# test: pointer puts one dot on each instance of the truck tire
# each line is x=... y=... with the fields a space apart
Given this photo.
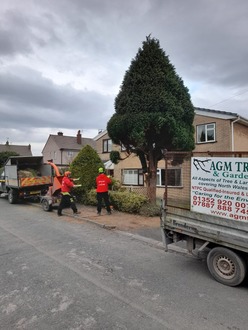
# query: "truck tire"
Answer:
x=46 y=206
x=226 y=266
x=12 y=196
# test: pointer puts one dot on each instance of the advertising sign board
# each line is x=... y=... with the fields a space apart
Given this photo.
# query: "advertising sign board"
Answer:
x=219 y=186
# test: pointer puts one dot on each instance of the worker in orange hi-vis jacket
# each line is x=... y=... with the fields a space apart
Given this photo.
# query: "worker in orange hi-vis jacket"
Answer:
x=102 y=183
x=67 y=199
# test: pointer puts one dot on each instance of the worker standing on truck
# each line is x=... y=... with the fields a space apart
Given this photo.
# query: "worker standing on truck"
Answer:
x=67 y=199
x=102 y=183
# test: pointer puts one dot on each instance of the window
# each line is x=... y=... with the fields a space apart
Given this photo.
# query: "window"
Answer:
x=107 y=145
x=174 y=177
x=70 y=153
x=133 y=177
x=205 y=133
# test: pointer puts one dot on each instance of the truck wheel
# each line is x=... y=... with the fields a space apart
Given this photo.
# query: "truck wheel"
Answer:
x=12 y=196
x=226 y=266
x=46 y=206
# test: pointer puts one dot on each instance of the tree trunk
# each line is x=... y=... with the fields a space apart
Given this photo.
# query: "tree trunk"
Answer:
x=152 y=179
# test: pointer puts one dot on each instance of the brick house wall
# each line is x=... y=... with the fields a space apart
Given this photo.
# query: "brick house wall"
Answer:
x=240 y=137
x=229 y=135
x=223 y=134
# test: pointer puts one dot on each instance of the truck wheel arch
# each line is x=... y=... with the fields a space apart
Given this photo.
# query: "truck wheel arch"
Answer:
x=12 y=196
x=226 y=266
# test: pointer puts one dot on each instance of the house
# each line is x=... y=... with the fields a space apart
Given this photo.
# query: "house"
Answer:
x=21 y=150
x=214 y=131
x=220 y=131
x=61 y=149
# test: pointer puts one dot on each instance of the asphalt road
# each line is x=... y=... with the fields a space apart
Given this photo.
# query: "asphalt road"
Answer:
x=65 y=273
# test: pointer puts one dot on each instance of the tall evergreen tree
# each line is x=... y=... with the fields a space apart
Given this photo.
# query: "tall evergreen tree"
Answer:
x=153 y=110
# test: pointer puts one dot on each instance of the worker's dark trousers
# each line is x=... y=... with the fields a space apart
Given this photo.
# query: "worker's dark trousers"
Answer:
x=103 y=196
x=67 y=201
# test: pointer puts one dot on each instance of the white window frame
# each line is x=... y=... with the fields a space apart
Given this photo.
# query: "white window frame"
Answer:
x=205 y=128
x=132 y=177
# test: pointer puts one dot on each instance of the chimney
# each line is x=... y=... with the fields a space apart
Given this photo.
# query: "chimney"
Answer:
x=79 y=137
x=60 y=133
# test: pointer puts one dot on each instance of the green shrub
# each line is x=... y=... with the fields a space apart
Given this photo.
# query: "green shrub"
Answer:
x=129 y=202
x=85 y=167
x=150 y=210
x=125 y=201
x=90 y=198
x=115 y=185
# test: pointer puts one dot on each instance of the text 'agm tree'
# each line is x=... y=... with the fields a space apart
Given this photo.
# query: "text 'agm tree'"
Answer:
x=153 y=111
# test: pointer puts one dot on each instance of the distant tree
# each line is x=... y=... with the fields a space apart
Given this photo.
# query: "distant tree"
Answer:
x=85 y=166
x=153 y=111
x=5 y=155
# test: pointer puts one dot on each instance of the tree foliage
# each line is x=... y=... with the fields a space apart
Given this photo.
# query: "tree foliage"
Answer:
x=5 y=155
x=114 y=156
x=85 y=166
x=153 y=109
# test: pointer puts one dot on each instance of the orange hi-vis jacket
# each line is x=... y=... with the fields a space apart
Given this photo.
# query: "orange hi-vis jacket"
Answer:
x=102 y=182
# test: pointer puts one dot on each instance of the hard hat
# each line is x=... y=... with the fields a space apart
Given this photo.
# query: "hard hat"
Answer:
x=100 y=170
x=67 y=173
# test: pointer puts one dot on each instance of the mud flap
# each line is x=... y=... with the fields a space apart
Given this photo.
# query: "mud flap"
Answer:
x=166 y=239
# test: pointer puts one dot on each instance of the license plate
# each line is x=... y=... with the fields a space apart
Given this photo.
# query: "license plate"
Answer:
x=34 y=192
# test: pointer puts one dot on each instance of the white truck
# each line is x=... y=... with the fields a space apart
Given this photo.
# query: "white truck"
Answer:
x=25 y=177
x=216 y=219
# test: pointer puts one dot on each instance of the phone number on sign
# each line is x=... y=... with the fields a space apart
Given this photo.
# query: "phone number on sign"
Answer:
x=223 y=205
x=203 y=201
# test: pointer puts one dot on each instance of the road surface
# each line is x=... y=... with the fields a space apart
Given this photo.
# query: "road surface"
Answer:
x=64 y=273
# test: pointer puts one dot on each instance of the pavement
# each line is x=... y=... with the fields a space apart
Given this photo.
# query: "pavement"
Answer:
x=142 y=228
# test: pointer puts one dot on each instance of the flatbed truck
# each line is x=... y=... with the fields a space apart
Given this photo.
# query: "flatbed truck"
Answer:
x=216 y=222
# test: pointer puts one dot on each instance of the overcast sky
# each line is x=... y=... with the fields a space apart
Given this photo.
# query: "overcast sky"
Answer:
x=62 y=61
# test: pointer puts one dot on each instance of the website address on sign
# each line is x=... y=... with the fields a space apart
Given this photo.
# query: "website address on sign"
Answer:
x=229 y=215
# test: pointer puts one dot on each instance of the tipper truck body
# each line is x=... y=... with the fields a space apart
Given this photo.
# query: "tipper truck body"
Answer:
x=25 y=177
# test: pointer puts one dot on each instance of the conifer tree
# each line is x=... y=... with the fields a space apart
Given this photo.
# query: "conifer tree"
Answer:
x=153 y=110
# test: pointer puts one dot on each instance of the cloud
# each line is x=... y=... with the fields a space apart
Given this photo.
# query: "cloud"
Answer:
x=29 y=98
x=62 y=62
